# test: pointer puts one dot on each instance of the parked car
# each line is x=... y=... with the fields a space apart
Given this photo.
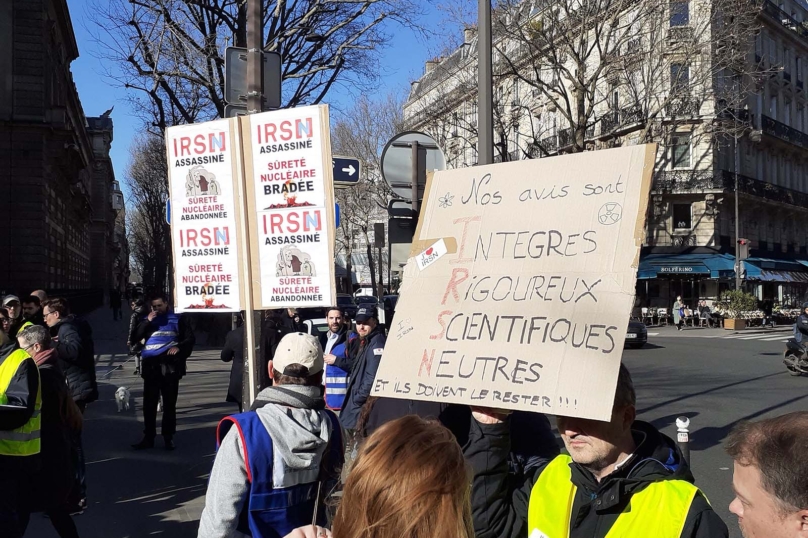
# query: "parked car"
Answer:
x=366 y=300
x=317 y=326
x=637 y=335
x=347 y=304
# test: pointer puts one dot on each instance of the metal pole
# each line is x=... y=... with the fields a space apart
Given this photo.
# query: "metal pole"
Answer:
x=381 y=283
x=737 y=218
x=414 y=146
x=485 y=90
x=255 y=37
x=683 y=436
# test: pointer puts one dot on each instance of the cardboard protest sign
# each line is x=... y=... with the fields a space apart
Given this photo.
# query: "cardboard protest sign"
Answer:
x=521 y=284
x=203 y=175
x=291 y=207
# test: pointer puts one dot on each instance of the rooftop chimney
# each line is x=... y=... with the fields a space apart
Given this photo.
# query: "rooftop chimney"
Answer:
x=468 y=33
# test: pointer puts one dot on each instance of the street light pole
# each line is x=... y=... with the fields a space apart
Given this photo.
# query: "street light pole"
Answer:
x=255 y=31
x=738 y=261
x=485 y=90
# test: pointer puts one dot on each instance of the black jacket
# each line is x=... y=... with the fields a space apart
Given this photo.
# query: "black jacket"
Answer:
x=73 y=342
x=38 y=319
x=21 y=395
x=234 y=351
x=135 y=346
x=364 y=365
x=499 y=507
x=166 y=365
x=272 y=330
x=801 y=326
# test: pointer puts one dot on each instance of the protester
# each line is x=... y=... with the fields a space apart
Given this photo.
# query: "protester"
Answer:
x=292 y=321
x=169 y=341
x=14 y=307
x=75 y=348
x=41 y=295
x=32 y=311
x=409 y=481
x=115 y=304
x=73 y=342
x=364 y=363
x=273 y=330
x=234 y=351
x=272 y=470
x=138 y=305
x=334 y=347
x=5 y=321
x=621 y=478
x=20 y=443
x=61 y=422
x=771 y=476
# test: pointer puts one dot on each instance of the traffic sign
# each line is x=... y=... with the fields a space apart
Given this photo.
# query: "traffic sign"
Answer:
x=336 y=214
x=231 y=111
x=398 y=163
x=346 y=170
x=235 y=78
x=399 y=208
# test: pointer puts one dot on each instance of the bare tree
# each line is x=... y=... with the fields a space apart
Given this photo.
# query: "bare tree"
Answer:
x=148 y=232
x=571 y=75
x=172 y=51
x=362 y=133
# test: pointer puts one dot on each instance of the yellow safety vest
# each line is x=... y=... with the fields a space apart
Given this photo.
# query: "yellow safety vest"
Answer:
x=660 y=510
x=25 y=440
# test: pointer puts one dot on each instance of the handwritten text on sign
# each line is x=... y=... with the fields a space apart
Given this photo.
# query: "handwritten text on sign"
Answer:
x=529 y=308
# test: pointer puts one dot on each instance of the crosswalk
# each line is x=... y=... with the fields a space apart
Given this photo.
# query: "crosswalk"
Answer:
x=763 y=337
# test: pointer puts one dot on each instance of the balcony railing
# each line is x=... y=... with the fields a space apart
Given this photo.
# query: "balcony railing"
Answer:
x=565 y=137
x=782 y=131
x=681 y=181
x=682 y=107
x=621 y=118
x=785 y=19
x=549 y=143
x=680 y=33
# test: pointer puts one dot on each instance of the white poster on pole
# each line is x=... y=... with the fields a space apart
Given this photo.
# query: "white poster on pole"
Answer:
x=202 y=178
x=290 y=194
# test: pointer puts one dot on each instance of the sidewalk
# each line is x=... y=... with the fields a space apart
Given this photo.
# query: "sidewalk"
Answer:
x=670 y=330
x=152 y=492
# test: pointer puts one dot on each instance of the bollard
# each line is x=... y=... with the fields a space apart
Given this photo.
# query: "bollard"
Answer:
x=683 y=436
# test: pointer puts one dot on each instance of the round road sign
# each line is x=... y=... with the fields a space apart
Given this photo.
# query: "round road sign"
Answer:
x=397 y=162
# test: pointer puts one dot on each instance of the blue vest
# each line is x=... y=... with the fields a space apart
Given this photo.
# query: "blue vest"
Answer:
x=336 y=380
x=164 y=338
x=270 y=512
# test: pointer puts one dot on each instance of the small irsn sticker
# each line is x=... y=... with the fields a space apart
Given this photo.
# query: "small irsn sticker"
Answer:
x=431 y=255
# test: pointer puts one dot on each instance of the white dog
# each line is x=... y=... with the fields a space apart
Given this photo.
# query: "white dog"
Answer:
x=122 y=398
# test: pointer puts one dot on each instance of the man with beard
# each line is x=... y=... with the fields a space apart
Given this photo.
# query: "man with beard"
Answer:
x=337 y=368
x=367 y=354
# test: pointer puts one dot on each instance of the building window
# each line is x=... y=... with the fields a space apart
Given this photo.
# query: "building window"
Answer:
x=682 y=217
x=680 y=13
x=680 y=157
x=680 y=77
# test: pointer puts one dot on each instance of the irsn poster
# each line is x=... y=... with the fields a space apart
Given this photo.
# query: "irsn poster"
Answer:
x=290 y=192
x=202 y=181
x=521 y=284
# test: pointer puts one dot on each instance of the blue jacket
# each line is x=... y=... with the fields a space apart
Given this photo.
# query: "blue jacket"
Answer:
x=165 y=336
x=363 y=371
x=269 y=512
x=336 y=378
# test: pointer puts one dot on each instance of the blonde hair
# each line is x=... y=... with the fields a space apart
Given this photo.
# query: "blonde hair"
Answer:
x=409 y=481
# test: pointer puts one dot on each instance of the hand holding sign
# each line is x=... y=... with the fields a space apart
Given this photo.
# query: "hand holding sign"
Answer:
x=523 y=286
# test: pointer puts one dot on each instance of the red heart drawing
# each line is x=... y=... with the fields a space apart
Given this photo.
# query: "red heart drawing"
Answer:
x=429 y=251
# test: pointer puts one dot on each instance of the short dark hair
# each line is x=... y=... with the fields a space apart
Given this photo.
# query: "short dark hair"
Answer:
x=158 y=295
x=31 y=299
x=297 y=374
x=624 y=394
x=776 y=446
x=58 y=304
x=330 y=308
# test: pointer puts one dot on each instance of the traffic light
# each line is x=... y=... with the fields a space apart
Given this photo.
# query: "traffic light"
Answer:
x=743 y=249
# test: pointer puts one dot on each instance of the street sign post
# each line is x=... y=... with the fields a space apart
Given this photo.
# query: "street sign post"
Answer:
x=346 y=170
x=405 y=160
x=235 y=78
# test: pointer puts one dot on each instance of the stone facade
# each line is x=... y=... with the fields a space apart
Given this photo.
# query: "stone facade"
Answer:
x=56 y=178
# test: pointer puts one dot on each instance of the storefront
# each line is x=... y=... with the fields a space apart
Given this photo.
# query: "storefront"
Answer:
x=663 y=277
x=784 y=282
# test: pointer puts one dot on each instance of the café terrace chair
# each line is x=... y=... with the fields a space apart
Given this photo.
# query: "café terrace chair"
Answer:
x=647 y=316
x=662 y=314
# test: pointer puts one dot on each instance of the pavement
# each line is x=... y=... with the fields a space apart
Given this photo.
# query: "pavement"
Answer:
x=152 y=492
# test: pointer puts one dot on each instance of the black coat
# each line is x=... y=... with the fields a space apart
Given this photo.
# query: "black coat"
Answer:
x=363 y=371
x=272 y=331
x=165 y=365
x=499 y=507
x=73 y=342
x=234 y=351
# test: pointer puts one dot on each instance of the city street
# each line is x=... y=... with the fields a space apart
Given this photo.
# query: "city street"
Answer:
x=715 y=377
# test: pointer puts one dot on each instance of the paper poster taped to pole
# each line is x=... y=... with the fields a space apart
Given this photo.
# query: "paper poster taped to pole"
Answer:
x=290 y=195
x=202 y=174
x=529 y=305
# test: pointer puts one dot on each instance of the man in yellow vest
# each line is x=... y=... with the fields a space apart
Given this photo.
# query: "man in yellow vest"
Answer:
x=20 y=405
x=621 y=479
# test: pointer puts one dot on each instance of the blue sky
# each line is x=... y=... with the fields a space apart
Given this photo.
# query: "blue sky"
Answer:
x=404 y=59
